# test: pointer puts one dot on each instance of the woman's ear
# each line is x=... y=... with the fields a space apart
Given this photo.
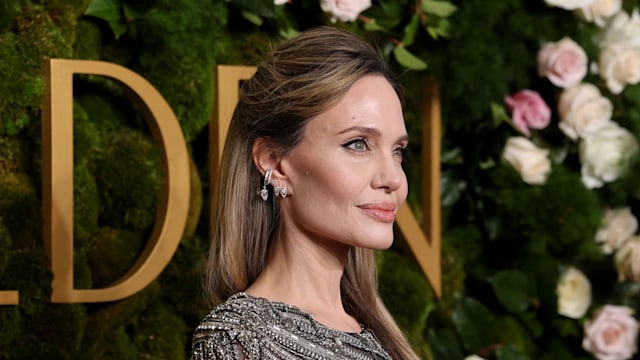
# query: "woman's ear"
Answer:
x=265 y=156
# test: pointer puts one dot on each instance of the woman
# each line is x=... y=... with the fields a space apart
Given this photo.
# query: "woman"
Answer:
x=310 y=179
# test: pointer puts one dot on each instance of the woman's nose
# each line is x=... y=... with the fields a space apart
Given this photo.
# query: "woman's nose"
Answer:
x=389 y=174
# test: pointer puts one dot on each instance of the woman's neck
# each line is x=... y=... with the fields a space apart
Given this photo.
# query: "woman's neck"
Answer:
x=307 y=273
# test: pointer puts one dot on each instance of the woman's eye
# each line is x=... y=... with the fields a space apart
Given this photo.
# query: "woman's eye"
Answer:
x=401 y=152
x=357 y=144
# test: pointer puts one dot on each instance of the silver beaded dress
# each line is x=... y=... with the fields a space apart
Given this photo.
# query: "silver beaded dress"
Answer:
x=250 y=328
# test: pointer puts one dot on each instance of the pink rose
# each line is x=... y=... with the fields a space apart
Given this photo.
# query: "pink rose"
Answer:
x=344 y=10
x=563 y=62
x=611 y=334
x=528 y=111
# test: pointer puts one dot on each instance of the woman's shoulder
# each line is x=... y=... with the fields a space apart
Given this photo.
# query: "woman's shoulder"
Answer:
x=240 y=311
x=233 y=327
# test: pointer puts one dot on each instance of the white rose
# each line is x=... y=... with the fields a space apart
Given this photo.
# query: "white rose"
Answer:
x=530 y=161
x=627 y=260
x=599 y=11
x=619 y=66
x=583 y=110
x=344 y=10
x=618 y=225
x=280 y=2
x=574 y=293
x=622 y=29
x=569 y=4
x=473 y=357
x=604 y=155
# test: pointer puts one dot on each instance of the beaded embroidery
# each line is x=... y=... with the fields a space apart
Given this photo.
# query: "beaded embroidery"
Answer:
x=247 y=327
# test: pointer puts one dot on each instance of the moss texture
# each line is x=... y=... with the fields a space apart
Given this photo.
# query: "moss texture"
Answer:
x=118 y=176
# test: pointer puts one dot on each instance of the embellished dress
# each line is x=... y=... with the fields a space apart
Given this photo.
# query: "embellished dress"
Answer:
x=251 y=328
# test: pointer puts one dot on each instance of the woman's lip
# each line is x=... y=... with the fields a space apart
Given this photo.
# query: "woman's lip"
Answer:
x=381 y=211
x=382 y=205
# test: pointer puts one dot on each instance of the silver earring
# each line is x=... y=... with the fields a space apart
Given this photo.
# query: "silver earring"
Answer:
x=283 y=192
x=276 y=189
x=264 y=193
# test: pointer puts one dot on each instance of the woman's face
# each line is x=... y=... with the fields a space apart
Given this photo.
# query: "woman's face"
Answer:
x=345 y=176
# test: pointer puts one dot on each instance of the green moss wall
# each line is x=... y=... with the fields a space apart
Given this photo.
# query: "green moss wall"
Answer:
x=117 y=176
x=504 y=242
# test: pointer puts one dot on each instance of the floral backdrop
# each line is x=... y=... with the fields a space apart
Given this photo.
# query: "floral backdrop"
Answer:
x=540 y=168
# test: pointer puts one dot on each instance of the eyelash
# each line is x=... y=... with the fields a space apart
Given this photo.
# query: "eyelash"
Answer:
x=403 y=152
x=349 y=144
x=400 y=151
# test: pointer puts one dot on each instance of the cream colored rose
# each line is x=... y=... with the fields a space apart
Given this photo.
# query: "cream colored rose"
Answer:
x=563 y=62
x=569 y=4
x=612 y=333
x=621 y=29
x=530 y=161
x=574 y=293
x=605 y=154
x=344 y=10
x=473 y=357
x=599 y=11
x=280 y=2
x=619 y=66
x=583 y=110
x=618 y=225
x=627 y=260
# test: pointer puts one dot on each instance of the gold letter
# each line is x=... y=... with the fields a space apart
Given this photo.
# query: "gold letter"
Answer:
x=426 y=252
x=57 y=160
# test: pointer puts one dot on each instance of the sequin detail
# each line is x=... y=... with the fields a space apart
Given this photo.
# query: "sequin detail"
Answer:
x=251 y=328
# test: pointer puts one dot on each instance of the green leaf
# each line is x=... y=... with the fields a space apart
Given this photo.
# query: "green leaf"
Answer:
x=445 y=345
x=510 y=352
x=132 y=13
x=407 y=59
x=289 y=33
x=108 y=10
x=410 y=30
x=512 y=290
x=387 y=15
x=439 y=8
x=452 y=186
x=111 y=11
x=443 y=28
x=263 y=8
x=433 y=32
x=475 y=324
x=499 y=114
x=252 y=18
x=532 y=323
x=372 y=25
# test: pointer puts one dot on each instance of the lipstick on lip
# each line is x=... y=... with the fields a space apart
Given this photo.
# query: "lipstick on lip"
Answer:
x=381 y=211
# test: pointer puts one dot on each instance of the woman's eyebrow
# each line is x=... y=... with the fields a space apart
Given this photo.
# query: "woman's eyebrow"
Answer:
x=363 y=129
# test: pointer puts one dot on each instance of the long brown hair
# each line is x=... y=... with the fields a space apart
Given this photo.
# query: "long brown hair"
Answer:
x=301 y=78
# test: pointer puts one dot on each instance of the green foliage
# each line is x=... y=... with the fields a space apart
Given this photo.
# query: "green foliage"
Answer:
x=406 y=293
x=111 y=11
x=475 y=324
x=183 y=37
x=36 y=35
x=111 y=253
x=512 y=289
x=491 y=53
x=161 y=336
x=128 y=176
x=504 y=241
x=20 y=208
x=8 y=11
